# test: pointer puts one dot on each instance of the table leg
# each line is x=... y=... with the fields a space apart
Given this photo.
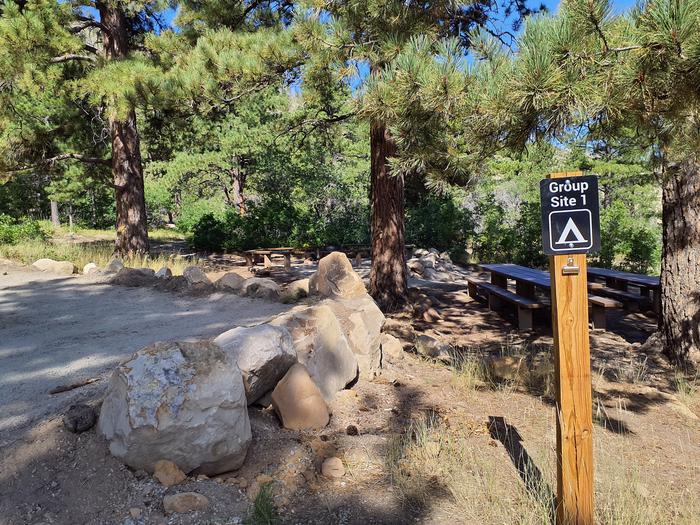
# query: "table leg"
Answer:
x=499 y=280
x=525 y=289
x=598 y=317
x=267 y=262
x=287 y=261
x=524 y=319
x=249 y=261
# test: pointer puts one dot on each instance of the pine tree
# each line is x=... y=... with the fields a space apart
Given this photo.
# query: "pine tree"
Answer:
x=403 y=45
x=52 y=52
x=606 y=75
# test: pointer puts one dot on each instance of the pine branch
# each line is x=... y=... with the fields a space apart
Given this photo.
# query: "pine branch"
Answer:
x=79 y=157
x=86 y=23
x=72 y=56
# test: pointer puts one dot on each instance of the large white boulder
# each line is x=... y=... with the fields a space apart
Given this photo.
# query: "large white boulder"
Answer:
x=321 y=346
x=361 y=321
x=263 y=353
x=57 y=267
x=184 y=402
x=336 y=279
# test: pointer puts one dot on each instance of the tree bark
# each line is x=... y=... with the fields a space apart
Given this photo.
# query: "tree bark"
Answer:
x=55 y=219
x=238 y=178
x=127 y=172
x=680 y=264
x=388 y=280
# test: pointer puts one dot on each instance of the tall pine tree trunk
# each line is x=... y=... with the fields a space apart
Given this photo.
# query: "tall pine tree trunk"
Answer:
x=680 y=265
x=127 y=173
x=388 y=281
x=55 y=219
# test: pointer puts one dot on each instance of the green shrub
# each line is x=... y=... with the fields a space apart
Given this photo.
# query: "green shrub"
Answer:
x=192 y=211
x=13 y=231
x=436 y=222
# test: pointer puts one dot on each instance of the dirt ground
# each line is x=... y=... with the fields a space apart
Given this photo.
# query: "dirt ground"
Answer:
x=61 y=330
x=424 y=442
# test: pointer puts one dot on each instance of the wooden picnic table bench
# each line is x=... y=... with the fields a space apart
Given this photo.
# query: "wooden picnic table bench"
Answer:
x=527 y=281
x=266 y=254
x=617 y=286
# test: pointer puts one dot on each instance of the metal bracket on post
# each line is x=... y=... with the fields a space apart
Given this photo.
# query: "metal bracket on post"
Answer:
x=570 y=268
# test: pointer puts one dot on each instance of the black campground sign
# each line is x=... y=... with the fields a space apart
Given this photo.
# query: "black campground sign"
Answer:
x=570 y=215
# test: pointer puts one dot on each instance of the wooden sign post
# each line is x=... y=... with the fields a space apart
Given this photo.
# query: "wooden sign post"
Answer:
x=573 y=369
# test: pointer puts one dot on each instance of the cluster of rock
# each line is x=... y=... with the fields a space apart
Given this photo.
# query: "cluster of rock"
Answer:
x=188 y=402
x=434 y=266
x=193 y=279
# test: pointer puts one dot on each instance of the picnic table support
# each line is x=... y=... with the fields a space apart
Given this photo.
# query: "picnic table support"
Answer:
x=287 y=261
x=249 y=260
x=598 y=317
x=499 y=280
x=267 y=263
x=573 y=389
x=525 y=319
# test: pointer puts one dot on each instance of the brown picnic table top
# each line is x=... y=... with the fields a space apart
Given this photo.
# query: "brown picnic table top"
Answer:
x=637 y=279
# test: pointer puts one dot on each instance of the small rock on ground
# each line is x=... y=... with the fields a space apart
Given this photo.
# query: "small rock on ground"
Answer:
x=168 y=473
x=184 y=502
x=333 y=468
x=79 y=418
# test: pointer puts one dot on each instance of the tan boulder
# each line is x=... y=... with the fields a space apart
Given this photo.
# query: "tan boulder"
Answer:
x=168 y=473
x=184 y=502
x=321 y=346
x=195 y=276
x=135 y=277
x=261 y=288
x=336 y=279
x=296 y=290
x=361 y=321
x=230 y=282
x=298 y=401
x=392 y=349
x=57 y=267
x=114 y=265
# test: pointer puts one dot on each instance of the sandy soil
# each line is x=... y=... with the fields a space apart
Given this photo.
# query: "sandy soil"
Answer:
x=61 y=330
x=646 y=439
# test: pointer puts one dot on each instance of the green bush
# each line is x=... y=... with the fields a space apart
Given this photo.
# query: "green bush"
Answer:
x=13 y=231
x=276 y=222
x=628 y=243
x=192 y=211
x=436 y=222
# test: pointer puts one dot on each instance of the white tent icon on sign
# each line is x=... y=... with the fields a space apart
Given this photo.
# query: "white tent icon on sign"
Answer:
x=569 y=230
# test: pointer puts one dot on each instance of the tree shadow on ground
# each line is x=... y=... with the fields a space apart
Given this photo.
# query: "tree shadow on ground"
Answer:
x=528 y=471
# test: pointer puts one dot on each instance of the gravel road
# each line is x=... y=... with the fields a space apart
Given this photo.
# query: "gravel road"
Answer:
x=58 y=330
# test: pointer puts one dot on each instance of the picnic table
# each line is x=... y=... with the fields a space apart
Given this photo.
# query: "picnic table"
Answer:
x=617 y=285
x=251 y=256
x=527 y=282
